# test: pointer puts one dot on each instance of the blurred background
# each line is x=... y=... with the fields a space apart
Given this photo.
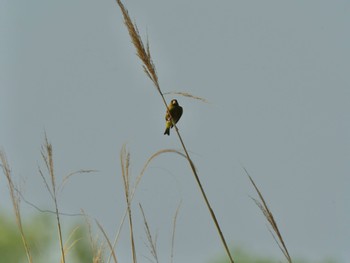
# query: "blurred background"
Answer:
x=276 y=75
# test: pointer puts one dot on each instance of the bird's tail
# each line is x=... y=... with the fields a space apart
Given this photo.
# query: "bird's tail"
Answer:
x=167 y=131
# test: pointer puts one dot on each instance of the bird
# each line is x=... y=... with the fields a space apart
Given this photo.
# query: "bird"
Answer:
x=175 y=111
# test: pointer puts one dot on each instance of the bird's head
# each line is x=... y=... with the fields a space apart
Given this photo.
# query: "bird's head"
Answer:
x=174 y=102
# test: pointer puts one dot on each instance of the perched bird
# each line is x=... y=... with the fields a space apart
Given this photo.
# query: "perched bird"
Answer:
x=175 y=111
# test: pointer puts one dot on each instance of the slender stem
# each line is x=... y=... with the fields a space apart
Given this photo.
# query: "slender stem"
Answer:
x=60 y=232
x=132 y=236
x=15 y=202
x=143 y=52
x=200 y=185
x=48 y=158
x=205 y=198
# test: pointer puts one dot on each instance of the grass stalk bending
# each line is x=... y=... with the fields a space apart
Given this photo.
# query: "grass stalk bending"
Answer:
x=143 y=52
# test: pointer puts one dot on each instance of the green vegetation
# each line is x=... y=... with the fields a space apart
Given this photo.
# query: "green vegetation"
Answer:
x=41 y=235
x=34 y=241
x=11 y=248
x=242 y=256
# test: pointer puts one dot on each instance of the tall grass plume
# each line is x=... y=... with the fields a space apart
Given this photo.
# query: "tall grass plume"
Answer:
x=276 y=234
x=143 y=52
x=15 y=203
x=47 y=155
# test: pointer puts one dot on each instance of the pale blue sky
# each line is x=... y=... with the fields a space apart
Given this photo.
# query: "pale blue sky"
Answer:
x=276 y=74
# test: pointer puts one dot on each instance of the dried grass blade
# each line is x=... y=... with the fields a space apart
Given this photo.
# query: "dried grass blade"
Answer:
x=269 y=217
x=15 y=203
x=152 y=243
x=47 y=154
x=138 y=179
x=45 y=182
x=173 y=233
x=68 y=246
x=108 y=241
x=67 y=177
x=186 y=94
x=125 y=163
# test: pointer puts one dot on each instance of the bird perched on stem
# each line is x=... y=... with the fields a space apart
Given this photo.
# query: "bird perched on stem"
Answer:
x=175 y=111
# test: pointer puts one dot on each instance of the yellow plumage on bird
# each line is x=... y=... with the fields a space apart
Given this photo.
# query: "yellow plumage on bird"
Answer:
x=175 y=111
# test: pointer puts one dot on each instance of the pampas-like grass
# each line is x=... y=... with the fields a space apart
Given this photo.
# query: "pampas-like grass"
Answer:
x=47 y=155
x=276 y=234
x=15 y=203
x=143 y=52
